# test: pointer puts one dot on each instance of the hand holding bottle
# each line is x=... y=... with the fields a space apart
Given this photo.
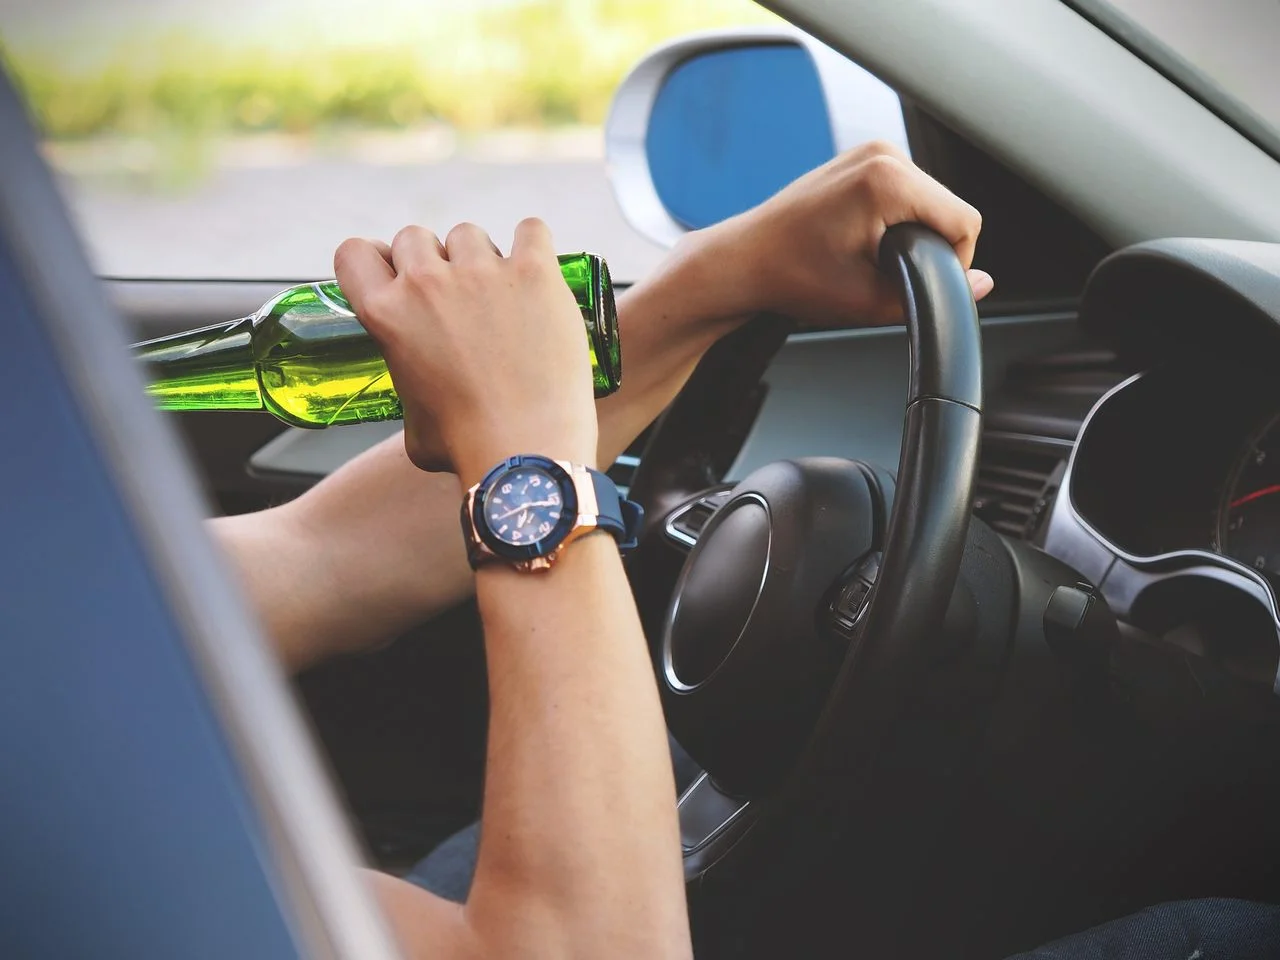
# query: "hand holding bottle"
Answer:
x=486 y=351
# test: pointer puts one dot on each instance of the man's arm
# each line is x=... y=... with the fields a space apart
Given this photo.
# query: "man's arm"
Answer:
x=372 y=549
x=489 y=359
x=580 y=854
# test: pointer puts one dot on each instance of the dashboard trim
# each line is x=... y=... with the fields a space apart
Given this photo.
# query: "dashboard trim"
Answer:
x=1030 y=439
x=1176 y=560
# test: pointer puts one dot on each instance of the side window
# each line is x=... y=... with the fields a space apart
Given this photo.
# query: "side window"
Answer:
x=244 y=139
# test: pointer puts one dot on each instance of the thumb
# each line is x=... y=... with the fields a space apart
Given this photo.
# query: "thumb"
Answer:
x=981 y=282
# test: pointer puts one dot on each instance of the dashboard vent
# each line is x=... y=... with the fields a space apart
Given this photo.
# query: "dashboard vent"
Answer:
x=1018 y=478
x=1031 y=425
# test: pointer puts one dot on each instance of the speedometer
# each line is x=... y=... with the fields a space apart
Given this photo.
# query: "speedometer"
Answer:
x=1249 y=516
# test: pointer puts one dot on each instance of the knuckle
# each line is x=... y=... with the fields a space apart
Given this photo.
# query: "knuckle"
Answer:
x=421 y=276
x=884 y=167
x=429 y=287
x=346 y=252
x=882 y=148
x=876 y=148
x=529 y=268
x=880 y=174
x=463 y=230
x=409 y=233
x=346 y=248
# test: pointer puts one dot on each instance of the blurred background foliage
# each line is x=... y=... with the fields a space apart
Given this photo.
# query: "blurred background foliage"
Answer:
x=474 y=67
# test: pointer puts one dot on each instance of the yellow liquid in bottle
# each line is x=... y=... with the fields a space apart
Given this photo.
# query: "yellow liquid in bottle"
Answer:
x=305 y=357
x=316 y=365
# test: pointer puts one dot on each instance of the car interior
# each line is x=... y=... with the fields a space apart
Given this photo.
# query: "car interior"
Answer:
x=970 y=624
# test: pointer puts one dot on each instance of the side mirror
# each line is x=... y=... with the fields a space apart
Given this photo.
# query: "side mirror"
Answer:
x=712 y=124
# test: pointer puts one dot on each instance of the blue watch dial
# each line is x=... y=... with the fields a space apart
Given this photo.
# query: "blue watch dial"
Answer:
x=523 y=506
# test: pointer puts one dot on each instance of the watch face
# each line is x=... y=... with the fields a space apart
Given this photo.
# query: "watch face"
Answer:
x=523 y=505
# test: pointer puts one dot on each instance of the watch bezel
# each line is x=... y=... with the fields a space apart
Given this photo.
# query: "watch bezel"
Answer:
x=558 y=533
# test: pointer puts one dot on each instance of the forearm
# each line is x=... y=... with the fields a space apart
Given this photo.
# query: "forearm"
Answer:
x=580 y=850
x=359 y=558
x=374 y=548
x=667 y=321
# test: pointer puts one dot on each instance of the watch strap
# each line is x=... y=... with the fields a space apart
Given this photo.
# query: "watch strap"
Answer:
x=621 y=517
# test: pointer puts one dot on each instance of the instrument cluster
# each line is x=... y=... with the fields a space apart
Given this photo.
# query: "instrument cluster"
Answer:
x=1184 y=458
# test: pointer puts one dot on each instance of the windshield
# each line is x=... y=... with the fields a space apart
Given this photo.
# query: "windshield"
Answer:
x=1223 y=51
x=247 y=138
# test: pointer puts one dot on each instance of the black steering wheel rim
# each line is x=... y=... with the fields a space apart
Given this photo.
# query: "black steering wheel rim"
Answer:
x=937 y=474
x=923 y=544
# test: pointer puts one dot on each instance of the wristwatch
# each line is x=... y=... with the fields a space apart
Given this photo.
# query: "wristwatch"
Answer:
x=528 y=508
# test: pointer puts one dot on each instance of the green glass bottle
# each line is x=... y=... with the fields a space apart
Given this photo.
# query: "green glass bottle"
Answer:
x=305 y=357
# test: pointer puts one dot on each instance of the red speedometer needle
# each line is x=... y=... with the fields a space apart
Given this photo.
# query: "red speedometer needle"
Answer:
x=1256 y=495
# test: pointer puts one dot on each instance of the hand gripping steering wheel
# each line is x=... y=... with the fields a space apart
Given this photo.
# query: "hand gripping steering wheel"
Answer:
x=796 y=653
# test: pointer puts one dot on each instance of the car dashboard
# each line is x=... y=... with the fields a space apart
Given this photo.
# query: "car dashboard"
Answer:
x=1186 y=457
x=1138 y=441
x=1170 y=500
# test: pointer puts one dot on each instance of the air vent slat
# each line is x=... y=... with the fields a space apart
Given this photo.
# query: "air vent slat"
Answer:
x=1017 y=481
x=1005 y=471
x=1030 y=490
x=1019 y=509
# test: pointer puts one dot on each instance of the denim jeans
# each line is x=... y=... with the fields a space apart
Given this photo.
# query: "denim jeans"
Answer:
x=1187 y=930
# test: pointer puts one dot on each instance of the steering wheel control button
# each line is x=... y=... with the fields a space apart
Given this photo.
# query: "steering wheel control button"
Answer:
x=1066 y=610
x=718 y=592
x=853 y=595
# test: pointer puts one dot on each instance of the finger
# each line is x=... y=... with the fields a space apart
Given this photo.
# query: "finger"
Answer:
x=937 y=207
x=981 y=282
x=415 y=249
x=383 y=248
x=902 y=192
x=467 y=241
x=361 y=270
x=532 y=240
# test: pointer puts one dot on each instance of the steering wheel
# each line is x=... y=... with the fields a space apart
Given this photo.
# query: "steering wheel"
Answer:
x=810 y=605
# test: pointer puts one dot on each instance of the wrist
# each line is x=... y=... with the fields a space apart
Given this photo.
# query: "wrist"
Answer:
x=719 y=270
x=484 y=449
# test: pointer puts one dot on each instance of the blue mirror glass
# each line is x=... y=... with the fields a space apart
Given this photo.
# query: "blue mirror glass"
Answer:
x=730 y=128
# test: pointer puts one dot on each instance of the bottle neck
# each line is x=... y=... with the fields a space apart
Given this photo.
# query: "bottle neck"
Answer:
x=207 y=369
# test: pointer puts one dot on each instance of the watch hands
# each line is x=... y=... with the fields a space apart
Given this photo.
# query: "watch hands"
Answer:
x=526 y=506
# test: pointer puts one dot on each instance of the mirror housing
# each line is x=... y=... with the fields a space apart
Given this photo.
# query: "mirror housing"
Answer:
x=711 y=124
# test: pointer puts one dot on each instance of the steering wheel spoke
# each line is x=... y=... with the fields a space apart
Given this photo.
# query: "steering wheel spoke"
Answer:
x=686 y=522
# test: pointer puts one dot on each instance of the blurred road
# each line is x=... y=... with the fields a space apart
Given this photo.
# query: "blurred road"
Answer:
x=283 y=220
